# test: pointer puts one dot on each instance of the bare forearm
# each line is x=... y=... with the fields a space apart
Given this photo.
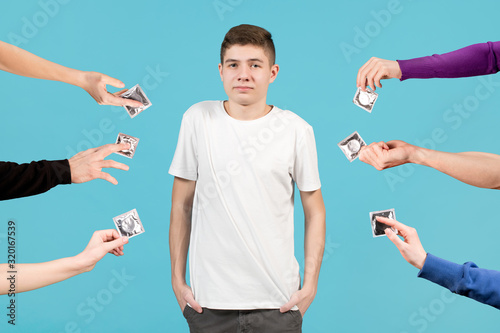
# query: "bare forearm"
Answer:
x=473 y=168
x=20 y=62
x=180 y=229
x=314 y=246
x=34 y=276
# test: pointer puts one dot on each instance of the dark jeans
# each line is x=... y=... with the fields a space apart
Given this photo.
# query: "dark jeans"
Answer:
x=243 y=321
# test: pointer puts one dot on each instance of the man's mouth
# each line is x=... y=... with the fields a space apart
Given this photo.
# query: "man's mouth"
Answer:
x=243 y=88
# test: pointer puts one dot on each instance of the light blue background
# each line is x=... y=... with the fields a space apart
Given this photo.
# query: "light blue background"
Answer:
x=365 y=285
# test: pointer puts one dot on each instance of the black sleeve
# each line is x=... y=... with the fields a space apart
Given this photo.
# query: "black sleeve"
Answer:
x=22 y=180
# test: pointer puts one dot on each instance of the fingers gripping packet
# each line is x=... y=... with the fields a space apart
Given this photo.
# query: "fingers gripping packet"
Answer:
x=365 y=99
x=352 y=145
x=132 y=141
x=378 y=228
x=137 y=94
x=129 y=224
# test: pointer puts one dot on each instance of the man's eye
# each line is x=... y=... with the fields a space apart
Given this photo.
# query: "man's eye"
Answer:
x=255 y=66
x=232 y=65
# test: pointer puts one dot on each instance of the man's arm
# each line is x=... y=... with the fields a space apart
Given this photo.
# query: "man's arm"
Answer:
x=480 y=284
x=473 y=168
x=22 y=180
x=34 y=276
x=473 y=60
x=20 y=62
x=179 y=236
x=314 y=245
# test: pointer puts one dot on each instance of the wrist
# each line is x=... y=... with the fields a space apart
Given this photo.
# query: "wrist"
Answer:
x=400 y=77
x=309 y=288
x=78 y=78
x=80 y=264
x=178 y=281
x=418 y=155
x=421 y=262
x=71 y=164
x=68 y=75
x=77 y=265
x=398 y=73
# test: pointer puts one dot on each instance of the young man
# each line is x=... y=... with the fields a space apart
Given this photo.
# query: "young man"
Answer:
x=235 y=168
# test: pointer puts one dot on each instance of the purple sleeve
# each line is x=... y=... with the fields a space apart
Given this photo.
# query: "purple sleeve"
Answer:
x=480 y=284
x=473 y=60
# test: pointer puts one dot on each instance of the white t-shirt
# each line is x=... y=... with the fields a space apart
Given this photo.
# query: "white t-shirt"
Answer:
x=241 y=252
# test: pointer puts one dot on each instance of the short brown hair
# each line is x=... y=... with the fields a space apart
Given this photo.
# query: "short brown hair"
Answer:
x=245 y=34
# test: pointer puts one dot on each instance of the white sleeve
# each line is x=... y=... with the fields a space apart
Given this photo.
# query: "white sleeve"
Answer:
x=185 y=162
x=305 y=168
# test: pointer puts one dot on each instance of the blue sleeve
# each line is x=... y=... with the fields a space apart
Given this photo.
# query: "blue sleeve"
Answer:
x=468 y=280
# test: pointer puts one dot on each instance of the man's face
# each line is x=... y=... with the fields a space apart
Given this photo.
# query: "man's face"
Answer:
x=246 y=74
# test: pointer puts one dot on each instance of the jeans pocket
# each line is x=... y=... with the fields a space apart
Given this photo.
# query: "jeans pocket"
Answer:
x=185 y=312
x=298 y=316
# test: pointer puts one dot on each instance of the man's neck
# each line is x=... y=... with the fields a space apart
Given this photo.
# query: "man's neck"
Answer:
x=247 y=112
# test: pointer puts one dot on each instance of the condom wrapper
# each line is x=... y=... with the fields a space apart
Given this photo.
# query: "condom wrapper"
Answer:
x=351 y=146
x=378 y=228
x=131 y=140
x=129 y=224
x=137 y=94
x=365 y=99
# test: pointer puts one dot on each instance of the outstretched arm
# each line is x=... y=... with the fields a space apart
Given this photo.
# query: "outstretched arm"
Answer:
x=468 y=280
x=180 y=234
x=473 y=60
x=473 y=168
x=18 y=61
x=314 y=245
x=34 y=276
x=22 y=180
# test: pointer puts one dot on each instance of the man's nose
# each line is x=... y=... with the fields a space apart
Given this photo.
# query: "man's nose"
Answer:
x=243 y=74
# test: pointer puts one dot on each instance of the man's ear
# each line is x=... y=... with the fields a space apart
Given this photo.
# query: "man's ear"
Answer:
x=220 y=72
x=274 y=72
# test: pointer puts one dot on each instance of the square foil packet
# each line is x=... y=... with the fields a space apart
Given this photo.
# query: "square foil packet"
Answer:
x=137 y=94
x=129 y=224
x=378 y=228
x=351 y=146
x=133 y=141
x=365 y=99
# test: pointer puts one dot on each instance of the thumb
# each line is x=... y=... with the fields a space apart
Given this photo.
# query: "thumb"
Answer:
x=108 y=246
x=394 y=238
x=118 y=93
x=290 y=304
x=195 y=305
x=113 y=82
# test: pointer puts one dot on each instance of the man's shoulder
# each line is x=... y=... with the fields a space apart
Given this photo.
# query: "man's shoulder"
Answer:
x=292 y=118
x=202 y=107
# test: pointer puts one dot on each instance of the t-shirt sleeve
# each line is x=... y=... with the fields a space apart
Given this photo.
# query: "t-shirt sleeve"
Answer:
x=185 y=162
x=305 y=168
x=473 y=60
x=468 y=280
